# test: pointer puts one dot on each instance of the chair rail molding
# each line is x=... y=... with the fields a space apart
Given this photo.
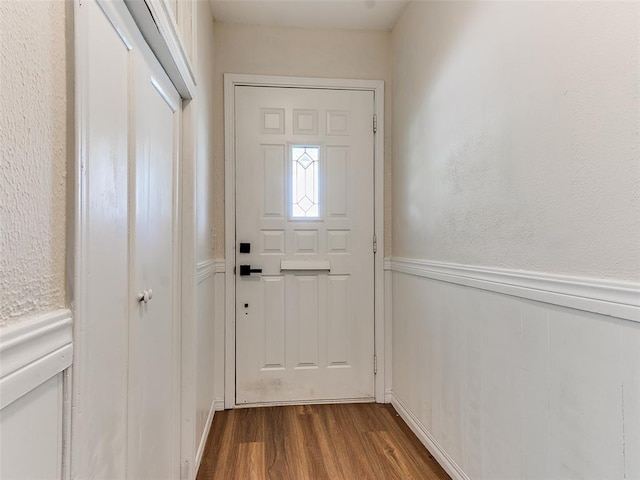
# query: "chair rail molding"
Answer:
x=612 y=298
x=206 y=269
x=32 y=351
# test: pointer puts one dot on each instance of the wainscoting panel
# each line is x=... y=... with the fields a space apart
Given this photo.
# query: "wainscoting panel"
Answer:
x=499 y=385
x=31 y=434
x=210 y=276
x=33 y=356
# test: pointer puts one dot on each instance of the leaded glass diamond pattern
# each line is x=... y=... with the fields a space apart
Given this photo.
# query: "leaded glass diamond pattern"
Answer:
x=304 y=181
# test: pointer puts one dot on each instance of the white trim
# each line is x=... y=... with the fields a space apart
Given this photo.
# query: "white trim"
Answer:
x=388 y=327
x=616 y=299
x=189 y=280
x=158 y=25
x=220 y=265
x=439 y=453
x=124 y=35
x=174 y=103
x=378 y=230
x=191 y=16
x=205 y=436
x=304 y=82
x=218 y=336
x=377 y=87
x=388 y=395
x=206 y=269
x=218 y=405
x=387 y=264
x=32 y=351
x=35 y=374
x=67 y=403
x=229 y=244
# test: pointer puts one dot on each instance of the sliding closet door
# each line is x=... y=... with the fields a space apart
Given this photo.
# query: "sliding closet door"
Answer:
x=101 y=287
x=126 y=371
x=154 y=386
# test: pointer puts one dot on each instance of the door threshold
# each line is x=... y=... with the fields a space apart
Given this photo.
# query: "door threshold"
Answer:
x=306 y=402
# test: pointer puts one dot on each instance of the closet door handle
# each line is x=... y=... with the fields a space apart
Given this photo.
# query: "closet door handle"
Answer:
x=144 y=297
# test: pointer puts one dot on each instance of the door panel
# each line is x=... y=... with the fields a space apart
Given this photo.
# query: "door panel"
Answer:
x=154 y=386
x=304 y=202
x=99 y=420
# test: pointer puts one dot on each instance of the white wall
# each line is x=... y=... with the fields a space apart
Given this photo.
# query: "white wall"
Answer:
x=33 y=146
x=206 y=106
x=516 y=148
x=516 y=136
x=298 y=52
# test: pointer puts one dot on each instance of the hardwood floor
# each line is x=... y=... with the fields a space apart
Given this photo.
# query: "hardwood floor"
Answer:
x=333 y=442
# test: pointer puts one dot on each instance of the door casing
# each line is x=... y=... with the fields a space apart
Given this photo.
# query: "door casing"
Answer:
x=377 y=87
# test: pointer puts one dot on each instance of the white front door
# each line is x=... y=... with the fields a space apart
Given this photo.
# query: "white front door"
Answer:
x=154 y=383
x=305 y=217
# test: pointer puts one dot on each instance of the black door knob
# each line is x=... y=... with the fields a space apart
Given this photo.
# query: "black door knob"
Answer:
x=247 y=270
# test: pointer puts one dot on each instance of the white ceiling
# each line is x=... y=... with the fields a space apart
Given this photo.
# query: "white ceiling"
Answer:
x=356 y=14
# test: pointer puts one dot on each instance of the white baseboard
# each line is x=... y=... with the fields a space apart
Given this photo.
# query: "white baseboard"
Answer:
x=205 y=436
x=32 y=351
x=218 y=405
x=442 y=457
x=388 y=395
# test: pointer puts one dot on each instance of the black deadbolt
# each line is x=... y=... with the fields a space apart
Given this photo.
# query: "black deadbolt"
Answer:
x=245 y=248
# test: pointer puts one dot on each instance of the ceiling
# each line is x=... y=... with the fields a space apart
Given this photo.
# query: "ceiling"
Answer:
x=352 y=14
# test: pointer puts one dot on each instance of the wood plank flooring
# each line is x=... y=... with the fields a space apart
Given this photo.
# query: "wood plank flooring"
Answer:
x=332 y=442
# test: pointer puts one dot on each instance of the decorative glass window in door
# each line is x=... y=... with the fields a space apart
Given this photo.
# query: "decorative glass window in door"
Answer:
x=304 y=181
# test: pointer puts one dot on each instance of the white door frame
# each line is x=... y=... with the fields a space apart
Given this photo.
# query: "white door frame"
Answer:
x=230 y=82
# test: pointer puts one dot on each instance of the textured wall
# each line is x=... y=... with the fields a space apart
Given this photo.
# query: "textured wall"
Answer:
x=516 y=135
x=33 y=163
x=298 y=52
